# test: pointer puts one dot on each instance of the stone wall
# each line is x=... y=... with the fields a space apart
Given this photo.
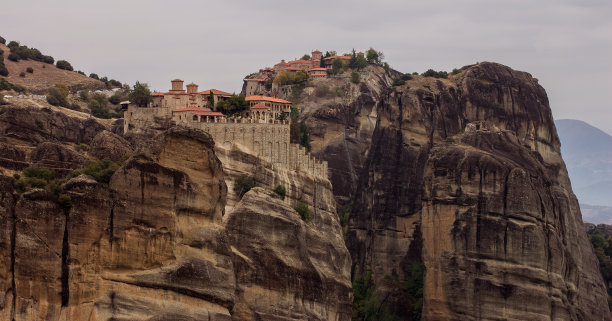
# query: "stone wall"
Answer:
x=269 y=141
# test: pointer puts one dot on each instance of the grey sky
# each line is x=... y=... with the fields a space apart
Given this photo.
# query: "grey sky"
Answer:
x=566 y=44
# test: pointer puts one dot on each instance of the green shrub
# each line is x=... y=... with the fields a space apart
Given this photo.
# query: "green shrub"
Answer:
x=386 y=67
x=435 y=74
x=36 y=182
x=2 y=40
x=1 y=52
x=63 y=64
x=52 y=100
x=3 y=70
x=48 y=60
x=94 y=76
x=43 y=173
x=81 y=147
x=243 y=184
x=84 y=95
x=304 y=211
x=280 y=190
x=114 y=99
x=59 y=92
x=355 y=77
x=398 y=81
x=101 y=171
x=406 y=77
x=449 y=140
x=64 y=202
x=39 y=124
x=20 y=186
x=455 y=71
x=30 y=70
x=13 y=57
x=16 y=176
x=80 y=72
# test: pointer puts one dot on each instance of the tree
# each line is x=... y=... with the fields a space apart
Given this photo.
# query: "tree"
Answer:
x=235 y=104
x=63 y=64
x=57 y=95
x=282 y=78
x=84 y=94
x=94 y=76
x=355 y=77
x=305 y=57
x=2 y=40
x=337 y=65
x=372 y=56
x=361 y=62
x=140 y=94
x=243 y=184
x=353 y=61
x=211 y=99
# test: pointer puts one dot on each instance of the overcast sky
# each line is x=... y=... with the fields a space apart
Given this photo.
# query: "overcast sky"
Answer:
x=566 y=44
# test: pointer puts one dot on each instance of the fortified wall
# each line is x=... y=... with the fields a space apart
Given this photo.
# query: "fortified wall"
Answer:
x=269 y=140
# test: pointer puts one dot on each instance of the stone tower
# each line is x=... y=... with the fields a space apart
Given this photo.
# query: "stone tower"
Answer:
x=315 y=59
x=177 y=85
x=191 y=88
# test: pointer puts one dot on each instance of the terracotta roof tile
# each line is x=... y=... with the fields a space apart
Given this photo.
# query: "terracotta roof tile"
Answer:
x=209 y=113
x=216 y=92
x=334 y=57
x=299 y=61
x=260 y=106
x=266 y=98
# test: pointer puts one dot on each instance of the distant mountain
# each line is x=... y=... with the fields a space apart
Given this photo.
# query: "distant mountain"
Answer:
x=587 y=152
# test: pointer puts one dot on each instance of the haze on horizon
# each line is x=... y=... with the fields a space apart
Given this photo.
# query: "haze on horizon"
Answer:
x=566 y=44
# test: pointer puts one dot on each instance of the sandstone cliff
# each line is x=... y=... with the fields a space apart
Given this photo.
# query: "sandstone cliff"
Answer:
x=155 y=243
x=464 y=175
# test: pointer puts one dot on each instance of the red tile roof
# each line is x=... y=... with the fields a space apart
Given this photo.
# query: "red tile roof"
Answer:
x=216 y=92
x=209 y=113
x=334 y=57
x=176 y=79
x=299 y=61
x=314 y=69
x=293 y=68
x=260 y=106
x=282 y=63
x=266 y=98
x=316 y=51
x=197 y=109
x=157 y=94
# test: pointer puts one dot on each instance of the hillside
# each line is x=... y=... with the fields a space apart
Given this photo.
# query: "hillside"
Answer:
x=587 y=152
x=45 y=75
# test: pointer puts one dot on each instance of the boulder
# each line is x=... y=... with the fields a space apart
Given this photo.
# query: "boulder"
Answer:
x=108 y=145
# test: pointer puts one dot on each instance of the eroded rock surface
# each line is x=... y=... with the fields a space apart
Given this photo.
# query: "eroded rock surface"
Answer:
x=109 y=145
x=154 y=244
x=465 y=176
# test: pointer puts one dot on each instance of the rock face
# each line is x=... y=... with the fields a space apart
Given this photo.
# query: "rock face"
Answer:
x=37 y=125
x=154 y=244
x=57 y=157
x=113 y=146
x=286 y=268
x=464 y=175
